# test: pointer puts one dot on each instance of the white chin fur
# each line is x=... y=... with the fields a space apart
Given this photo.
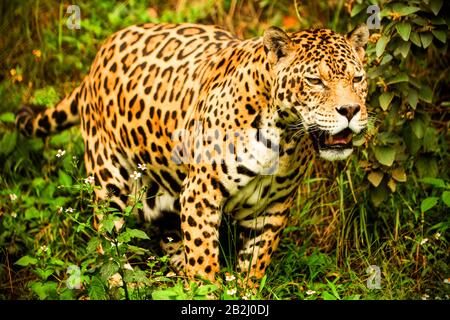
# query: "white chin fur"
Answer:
x=332 y=155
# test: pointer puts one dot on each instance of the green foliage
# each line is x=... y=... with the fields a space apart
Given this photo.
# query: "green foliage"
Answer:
x=386 y=206
x=404 y=92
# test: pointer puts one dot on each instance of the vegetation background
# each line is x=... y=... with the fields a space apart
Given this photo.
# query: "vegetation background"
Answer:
x=387 y=206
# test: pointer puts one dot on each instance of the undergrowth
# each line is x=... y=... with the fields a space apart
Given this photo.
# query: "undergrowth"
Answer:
x=373 y=227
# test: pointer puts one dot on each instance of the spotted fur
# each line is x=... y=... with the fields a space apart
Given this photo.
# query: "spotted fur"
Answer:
x=258 y=110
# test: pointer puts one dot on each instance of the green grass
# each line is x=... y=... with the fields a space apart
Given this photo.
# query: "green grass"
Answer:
x=340 y=226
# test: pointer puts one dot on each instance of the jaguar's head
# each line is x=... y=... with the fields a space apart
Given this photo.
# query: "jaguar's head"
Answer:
x=319 y=85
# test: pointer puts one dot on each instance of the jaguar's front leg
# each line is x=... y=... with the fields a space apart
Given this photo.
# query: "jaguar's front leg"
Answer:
x=200 y=220
x=261 y=236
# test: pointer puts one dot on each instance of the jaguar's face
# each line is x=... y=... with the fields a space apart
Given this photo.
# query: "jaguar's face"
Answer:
x=321 y=88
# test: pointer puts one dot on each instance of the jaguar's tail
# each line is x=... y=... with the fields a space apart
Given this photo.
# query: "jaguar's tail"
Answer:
x=40 y=122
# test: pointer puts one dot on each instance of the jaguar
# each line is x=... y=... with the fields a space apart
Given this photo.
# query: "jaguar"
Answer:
x=214 y=127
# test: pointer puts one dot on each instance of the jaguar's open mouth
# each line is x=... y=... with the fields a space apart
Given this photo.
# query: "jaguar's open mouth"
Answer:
x=326 y=141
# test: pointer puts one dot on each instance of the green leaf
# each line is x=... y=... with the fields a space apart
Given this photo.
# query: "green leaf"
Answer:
x=97 y=289
x=381 y=45
x=64 y=179
x=333 y=289
x=413 y=98
x=135 y=233
x=167 y=294
x=387 y=138
x=61 y=139
x=44 y=290
x=57 y=262
x=404 y=30
x=426 y=38
x=93 y=244
x=446 y=198
x=427 y=167
x=399 y=174
x=430 y=140
x=328 y=296
x=439 y=183
x=107 y=225
x=402 y=77
x=386 y=59
x=404 y=9
x=426 y=94
x=438 y=21
x=385 y=155
x=136 y=276
x=441 y=35
x=357 y=9
x=32 y=213
x=206 y=289
x=435 y=6
x=7 y=117
x=385 y=100
x=411 y=141
x=108 y=269
x=379 y=194
x=403 y=48
x=415 y=38
x=418 y=127
x=262 y=283
x=25 y=261
x=46 y=96
x=8 y=143
x=44 y=273
x=124 y=237
x=137 y=250
x=428 y=203
x=375 y=178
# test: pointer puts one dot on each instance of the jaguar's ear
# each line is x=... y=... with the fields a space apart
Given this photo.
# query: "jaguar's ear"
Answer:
x=277 y=44
x=358 y=39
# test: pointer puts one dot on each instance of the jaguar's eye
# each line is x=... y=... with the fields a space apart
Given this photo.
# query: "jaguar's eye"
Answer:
x=314 y=81
x=357 y=79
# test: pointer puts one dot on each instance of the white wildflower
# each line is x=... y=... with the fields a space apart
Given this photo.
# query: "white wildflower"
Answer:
x=13 y=197
x=170 y=239
x=437 y=235
x=13 y=214
x=152 y=258
x=246 y=296
x=89 y=180
x=60 y=153
x=424 y=240
x=229 y=277
x=60 y=210
x=425 y=296
x=136 y=175
x=142 y=167
x=69 y=210
x=44 y=248
x=310 y=292
x=231 y=292
x=115 y=280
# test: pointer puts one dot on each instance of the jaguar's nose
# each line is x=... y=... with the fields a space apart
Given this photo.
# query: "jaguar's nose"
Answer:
x=349 y=110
